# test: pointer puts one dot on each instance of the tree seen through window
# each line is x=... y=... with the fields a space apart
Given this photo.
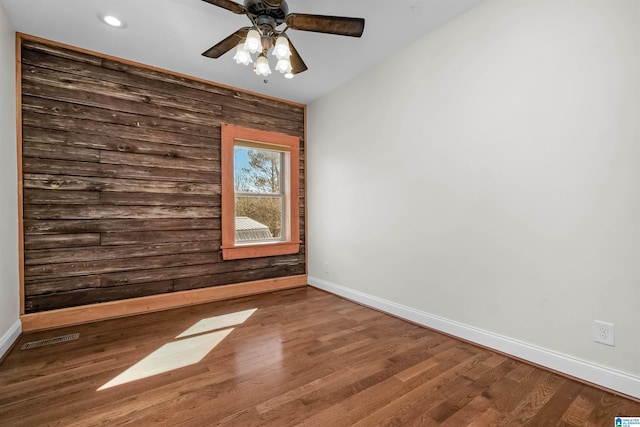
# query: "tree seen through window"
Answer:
x=259 y=196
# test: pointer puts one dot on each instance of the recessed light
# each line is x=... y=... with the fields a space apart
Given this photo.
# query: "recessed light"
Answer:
x=112 y=21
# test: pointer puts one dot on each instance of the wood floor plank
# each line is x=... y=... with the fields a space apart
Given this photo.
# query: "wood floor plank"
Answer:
x=303 y=357
x=579 y=410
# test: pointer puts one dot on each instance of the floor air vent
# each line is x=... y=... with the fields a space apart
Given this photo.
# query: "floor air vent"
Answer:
x=55 y=340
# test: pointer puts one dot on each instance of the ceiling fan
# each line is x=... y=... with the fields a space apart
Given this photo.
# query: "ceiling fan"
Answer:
x=262 y=35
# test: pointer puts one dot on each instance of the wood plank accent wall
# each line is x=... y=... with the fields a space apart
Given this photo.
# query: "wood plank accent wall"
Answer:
x=121 y=178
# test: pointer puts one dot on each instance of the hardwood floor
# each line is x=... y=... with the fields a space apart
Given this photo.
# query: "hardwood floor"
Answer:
x=303 y=357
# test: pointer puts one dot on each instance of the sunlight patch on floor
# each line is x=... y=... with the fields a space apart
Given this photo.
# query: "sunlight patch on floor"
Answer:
x=218 y=322
x=173 y=355
x=184 y=351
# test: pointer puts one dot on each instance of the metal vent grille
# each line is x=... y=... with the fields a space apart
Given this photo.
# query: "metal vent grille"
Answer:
x=55 y=340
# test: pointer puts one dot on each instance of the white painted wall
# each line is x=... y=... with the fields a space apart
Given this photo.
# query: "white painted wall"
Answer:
x=9 y=279
x=488 y=176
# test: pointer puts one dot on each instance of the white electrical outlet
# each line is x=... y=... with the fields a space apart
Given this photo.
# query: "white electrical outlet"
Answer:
x=325 y=267
x=604 y=333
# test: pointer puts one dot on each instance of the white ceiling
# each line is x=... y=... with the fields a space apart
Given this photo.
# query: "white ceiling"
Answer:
x=172 y=34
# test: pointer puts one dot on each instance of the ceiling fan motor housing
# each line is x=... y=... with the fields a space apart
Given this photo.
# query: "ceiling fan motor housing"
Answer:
x=267 y=24
x=274 y=10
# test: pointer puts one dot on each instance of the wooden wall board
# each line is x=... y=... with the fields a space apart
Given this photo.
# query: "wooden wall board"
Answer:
x=120 y=178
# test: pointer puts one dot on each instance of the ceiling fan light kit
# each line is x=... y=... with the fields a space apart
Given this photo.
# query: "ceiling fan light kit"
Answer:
x=263 y=35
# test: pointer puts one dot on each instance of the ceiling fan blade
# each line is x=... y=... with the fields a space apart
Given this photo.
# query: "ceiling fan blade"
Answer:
x=297 y=64
x=229 y=5
x=227 y=44
x=339 y=25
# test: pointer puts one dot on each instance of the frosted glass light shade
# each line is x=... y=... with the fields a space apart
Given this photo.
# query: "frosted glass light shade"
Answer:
x=284 y=65
x=242 y=56
x=262 y=66
x=281 y=50
x=253 y=43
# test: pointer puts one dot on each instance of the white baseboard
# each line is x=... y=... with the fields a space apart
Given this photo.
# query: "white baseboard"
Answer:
x=605 y=377
x=9 y=337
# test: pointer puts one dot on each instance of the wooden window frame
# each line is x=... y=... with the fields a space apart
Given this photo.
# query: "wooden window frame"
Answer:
x=291 y=240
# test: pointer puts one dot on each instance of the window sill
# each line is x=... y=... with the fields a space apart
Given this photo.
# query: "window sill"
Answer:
x=262 y=250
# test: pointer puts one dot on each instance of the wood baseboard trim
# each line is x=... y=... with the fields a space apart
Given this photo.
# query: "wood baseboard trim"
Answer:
x=108 y=310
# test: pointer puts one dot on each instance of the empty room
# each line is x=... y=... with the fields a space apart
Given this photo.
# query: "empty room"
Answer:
x=338 y=213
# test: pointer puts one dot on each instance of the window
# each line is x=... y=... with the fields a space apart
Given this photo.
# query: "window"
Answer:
x=259 y=192
x=260 y=206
